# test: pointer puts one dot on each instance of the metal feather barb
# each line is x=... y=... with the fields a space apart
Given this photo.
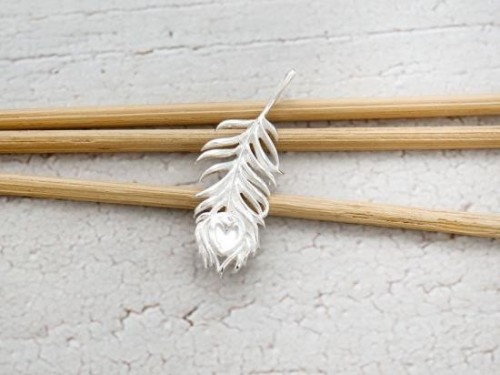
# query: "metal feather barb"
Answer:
x=228 y=219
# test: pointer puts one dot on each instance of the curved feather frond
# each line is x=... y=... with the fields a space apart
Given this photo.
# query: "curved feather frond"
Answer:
x=234 y=207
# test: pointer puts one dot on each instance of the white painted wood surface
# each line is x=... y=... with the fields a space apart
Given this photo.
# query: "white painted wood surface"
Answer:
x=101 y=289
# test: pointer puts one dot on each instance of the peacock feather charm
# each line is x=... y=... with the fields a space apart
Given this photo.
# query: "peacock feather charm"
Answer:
x=228 y=219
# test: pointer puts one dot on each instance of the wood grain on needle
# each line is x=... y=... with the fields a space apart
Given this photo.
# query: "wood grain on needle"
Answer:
x=192 y=140
x=301 y=207
x=213 y=113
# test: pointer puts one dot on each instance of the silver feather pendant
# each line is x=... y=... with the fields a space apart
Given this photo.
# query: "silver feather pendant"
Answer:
x=228 y=219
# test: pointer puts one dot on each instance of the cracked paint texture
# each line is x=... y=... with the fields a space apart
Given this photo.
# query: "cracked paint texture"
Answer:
x=102 y=289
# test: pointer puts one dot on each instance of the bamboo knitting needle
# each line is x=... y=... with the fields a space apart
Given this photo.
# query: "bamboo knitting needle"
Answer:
x=191 y=140
x=480 y=225
x=213 y=113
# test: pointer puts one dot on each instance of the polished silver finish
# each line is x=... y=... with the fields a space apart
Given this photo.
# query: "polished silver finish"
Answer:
x=227 y=221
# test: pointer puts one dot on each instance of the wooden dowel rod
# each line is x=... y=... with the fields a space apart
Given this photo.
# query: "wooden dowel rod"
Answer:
x=213 y=113
x=480 y=225
x=191 y=140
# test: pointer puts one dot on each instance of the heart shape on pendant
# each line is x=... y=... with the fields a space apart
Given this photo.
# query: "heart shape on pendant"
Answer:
x=226 y=233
